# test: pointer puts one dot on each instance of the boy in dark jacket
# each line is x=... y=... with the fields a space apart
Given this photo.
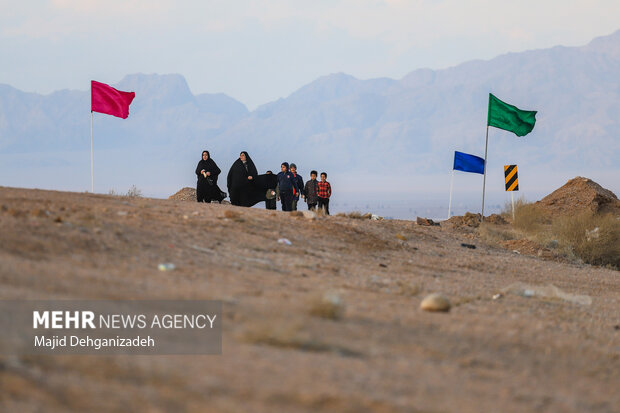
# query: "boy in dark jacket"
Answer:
x=310 y=191
x=300 y=185
x=324 y=191
x=287 y=186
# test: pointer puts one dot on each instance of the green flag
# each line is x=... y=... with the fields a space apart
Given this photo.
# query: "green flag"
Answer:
x=510 y=118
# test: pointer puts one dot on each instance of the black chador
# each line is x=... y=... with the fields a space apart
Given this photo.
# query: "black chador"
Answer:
x=243 y=190
x=207 y=172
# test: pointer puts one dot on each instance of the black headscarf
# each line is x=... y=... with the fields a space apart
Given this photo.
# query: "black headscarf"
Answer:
x=245 y=192
x=249 y=165
x=209 y=166
x=239 y=172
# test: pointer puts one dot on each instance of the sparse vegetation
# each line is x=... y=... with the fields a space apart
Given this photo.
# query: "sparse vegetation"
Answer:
x=134 y=192
x=528 y=216
x=507 y=210
x=407 y=289
x=593 y=238
x=283 y=334
x=292 y=335
x=355 y=215
x=493 y=234
x=233 y=215
x=330 y=306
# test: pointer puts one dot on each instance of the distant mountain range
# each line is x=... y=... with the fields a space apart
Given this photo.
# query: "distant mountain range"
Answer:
x=371 y=135
x=164 y=112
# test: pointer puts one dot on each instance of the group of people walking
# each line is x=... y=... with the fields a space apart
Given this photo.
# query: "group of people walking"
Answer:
x=247 y=188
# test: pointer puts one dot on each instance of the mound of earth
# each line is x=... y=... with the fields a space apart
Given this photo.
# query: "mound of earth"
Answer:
x=495 y=219
x=470 y=220
x=185 y=194
x=579 y=195
x=462 y=221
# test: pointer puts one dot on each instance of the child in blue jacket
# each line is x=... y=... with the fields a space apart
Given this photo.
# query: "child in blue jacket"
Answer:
x=287 y=187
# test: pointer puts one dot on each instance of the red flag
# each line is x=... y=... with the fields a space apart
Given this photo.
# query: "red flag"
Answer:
x=106 y=99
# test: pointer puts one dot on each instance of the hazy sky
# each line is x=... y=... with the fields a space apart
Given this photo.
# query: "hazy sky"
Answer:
x=258 y=51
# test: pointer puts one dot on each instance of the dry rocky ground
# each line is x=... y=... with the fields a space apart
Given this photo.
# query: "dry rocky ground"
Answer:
x=510 y=343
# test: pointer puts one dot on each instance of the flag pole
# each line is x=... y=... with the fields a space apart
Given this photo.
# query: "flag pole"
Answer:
x=484 y=181
x=451 y=186
x=92 y=170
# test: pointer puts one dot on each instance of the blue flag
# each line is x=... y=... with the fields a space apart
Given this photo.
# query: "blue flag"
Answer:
x=468 y=163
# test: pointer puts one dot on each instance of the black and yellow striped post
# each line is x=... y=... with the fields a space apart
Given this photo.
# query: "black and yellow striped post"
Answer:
x=512 y=177
x=512 y=184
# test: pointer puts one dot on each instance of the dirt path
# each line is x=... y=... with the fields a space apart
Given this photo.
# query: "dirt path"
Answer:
x=513 y=353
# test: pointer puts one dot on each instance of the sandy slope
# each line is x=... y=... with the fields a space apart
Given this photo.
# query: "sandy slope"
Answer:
x=510 y=354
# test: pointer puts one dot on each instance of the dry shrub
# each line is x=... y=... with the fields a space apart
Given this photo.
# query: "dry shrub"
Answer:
x=39 y=213
x=407 y=289
x=507 y=210
x=529 y=217
x=282 y=334
x=133 y=192
x=231 y=214
x=293 y=334
x=593 y=238
x=330 y=306
x=355 y=215
x=17 y=213
x=493 y=234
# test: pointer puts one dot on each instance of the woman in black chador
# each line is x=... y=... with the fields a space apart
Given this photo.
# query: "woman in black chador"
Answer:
x=241 y=181
x=207 y=173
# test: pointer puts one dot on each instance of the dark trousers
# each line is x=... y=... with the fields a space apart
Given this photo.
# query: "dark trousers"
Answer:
x=311 y=207
x=287 y=199
x=270 y=203
x=324 y=203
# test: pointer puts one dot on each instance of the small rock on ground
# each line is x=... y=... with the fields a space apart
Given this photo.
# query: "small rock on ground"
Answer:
x=435 y=302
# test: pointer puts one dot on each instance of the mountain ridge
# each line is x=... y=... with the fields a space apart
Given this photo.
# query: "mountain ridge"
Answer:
x=408 y=127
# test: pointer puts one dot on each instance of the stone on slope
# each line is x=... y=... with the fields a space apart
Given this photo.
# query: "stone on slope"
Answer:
x=435 y=302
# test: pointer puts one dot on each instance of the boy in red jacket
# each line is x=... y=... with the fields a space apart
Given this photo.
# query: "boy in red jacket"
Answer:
x=324 y=191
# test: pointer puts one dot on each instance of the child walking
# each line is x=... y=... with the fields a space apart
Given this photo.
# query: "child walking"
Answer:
x=287 y=186
x=324 y=191
x=300 y=185
x=310 y=191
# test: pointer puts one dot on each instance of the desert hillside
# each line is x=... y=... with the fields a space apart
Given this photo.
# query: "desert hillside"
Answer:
x=330 y=323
